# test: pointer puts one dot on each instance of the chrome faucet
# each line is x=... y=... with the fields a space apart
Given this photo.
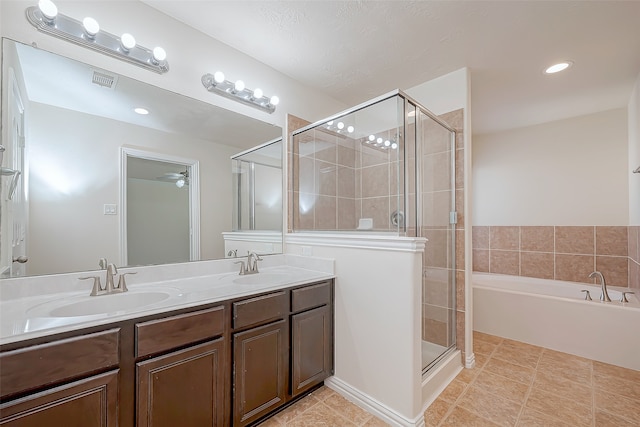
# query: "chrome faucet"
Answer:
x=605 y=295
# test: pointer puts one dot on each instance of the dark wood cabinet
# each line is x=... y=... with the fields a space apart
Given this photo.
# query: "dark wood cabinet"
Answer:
x=219 y=364
x=91 y=402
x=184 y=388
x=260 y=371
x=311 y=348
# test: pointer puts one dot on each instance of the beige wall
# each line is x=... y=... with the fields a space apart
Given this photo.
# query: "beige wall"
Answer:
x=567 y=172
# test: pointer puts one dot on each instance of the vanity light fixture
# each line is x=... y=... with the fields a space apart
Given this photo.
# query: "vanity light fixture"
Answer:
x=46 y=18
x=216 y=83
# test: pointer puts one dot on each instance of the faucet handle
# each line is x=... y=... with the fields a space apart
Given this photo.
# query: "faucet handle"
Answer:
x=587 y=295
x=624 y=296
x=243 y=269
x=122 y=284
x=97 y=287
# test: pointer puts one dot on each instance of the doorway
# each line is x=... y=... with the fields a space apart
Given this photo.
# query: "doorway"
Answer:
x=160 y=209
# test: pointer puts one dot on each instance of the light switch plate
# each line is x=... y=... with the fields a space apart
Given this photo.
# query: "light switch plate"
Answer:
x=110 y=209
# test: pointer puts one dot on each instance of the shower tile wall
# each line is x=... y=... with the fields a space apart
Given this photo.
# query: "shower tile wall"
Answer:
x=567 y=253
x=337 y=180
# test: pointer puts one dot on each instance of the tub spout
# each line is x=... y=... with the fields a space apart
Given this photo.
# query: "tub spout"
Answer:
x=605 y=295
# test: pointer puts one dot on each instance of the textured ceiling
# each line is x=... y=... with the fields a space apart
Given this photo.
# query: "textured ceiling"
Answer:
x=356 y=50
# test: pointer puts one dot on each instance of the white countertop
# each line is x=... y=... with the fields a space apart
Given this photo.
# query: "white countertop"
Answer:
x=33 y=314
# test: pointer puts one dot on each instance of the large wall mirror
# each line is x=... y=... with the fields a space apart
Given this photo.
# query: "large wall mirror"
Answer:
x=99 y=180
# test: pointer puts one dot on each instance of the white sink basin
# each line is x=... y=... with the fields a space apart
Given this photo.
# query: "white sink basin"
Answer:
x=102 y=304
x=262 y=279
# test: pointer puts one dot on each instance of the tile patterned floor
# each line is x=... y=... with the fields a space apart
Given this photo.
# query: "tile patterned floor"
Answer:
x=323 y=408
x=517 y=384
x=513 y=384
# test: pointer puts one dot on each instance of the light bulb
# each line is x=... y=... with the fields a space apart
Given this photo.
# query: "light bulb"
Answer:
x=127 y=41
x=257 y=94
x=387 y=143
x=394 y=145
x=180 y=183
x=218 y=76
x=379 y=140
x=340 y=125
x=558 y=67
x=372 y=137
x=142 y=111
x=330 y=123
x=159 y=54
x=350 y=129
x=91 y=26
x=48 y=9
x=238 y=86
x=274 y=100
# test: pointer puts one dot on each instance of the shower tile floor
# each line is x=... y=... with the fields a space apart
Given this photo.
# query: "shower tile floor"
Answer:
x=513 y=384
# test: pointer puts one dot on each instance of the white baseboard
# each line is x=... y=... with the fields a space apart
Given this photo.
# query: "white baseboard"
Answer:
x=470 y=361
x=371 y=405
x=439 y=378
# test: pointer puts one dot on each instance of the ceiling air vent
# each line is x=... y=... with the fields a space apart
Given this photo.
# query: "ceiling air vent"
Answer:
x=103 y=79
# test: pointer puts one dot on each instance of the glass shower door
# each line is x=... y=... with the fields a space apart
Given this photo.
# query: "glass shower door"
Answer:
x=436 y=156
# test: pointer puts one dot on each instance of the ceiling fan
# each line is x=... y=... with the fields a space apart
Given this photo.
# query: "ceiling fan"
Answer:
x=180 y=178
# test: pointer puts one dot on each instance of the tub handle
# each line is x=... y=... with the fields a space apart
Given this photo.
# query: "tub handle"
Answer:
x=624 y=296
x=587 y=296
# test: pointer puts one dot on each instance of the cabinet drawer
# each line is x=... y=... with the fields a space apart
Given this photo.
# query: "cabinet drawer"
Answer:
x=260 y=309
x=310 y=296
x=165 y=334
x=29 y=368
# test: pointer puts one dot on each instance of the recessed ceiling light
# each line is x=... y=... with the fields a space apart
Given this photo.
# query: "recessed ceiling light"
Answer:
x=560 y=66
x=140 y=110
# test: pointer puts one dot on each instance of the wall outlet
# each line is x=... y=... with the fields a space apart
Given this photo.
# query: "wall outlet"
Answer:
x=307 y=251
x=110 y=209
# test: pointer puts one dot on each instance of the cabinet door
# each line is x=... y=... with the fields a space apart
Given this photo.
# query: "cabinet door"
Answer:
x=91 y=402
x=184 y=388
x=311 y=348
x=260 y=371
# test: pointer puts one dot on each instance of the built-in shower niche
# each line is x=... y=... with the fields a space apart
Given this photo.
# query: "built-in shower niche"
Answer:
x=257 y=201
x=349 y=171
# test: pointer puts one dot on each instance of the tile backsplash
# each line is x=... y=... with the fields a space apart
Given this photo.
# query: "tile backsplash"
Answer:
x=568 y=253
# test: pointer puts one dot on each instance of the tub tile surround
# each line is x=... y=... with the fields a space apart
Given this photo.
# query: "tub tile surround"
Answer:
x=568 y=253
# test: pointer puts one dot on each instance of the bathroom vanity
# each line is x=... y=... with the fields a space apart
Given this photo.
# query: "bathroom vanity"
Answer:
x=226 y=361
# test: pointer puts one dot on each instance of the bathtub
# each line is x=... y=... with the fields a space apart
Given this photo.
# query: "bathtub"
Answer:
x=555 y=315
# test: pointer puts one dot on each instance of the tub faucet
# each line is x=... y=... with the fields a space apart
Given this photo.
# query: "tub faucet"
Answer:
x=605 y=295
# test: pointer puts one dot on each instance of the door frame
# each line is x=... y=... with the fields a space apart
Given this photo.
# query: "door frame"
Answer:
x=194 y=197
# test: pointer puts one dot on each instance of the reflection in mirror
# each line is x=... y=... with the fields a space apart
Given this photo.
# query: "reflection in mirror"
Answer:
x=160 y=204
x=257 y=201
x=65 y=125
